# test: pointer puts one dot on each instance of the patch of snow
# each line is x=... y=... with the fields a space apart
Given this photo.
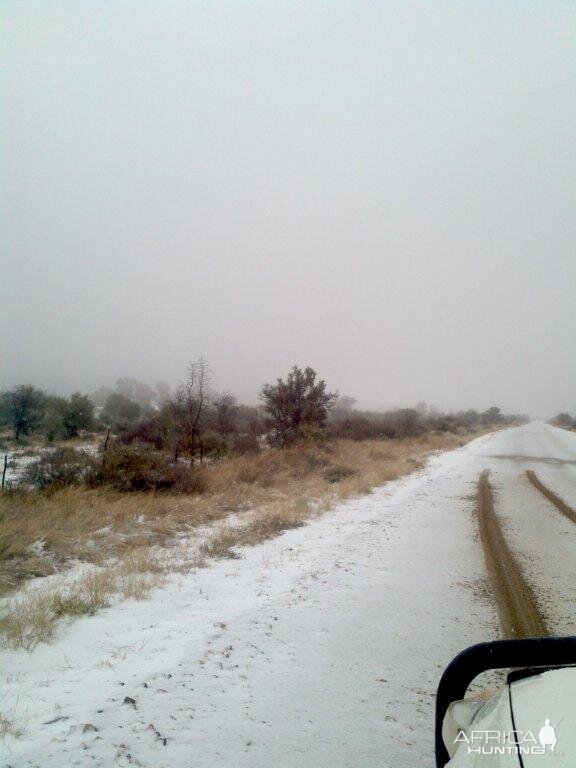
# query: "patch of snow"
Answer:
x=37 y=547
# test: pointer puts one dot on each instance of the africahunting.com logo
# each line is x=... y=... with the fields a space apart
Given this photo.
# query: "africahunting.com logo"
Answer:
x=516 y=742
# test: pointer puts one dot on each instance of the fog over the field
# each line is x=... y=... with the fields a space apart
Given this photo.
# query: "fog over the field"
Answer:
x=383 y=190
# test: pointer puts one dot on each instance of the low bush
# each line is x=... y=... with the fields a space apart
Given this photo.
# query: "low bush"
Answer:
x=214 y=446
x=128 y=469
x=362 y=428
x=188 y=480
x=151 y=431
x=58 y=469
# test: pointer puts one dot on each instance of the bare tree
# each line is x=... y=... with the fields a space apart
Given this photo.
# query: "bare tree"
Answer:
x=189 y=406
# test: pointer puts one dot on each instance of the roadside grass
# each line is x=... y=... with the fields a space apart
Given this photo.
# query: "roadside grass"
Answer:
x=129 y=542
x=9 y=727
x=31 y=616
x=258 y=527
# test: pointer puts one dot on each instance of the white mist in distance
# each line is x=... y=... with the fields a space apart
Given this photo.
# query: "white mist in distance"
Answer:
x=382 y=190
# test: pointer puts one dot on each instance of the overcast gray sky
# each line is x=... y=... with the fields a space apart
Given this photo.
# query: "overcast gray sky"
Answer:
x=384 y=190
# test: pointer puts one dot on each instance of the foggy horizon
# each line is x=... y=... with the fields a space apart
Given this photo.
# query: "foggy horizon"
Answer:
x=384 y=192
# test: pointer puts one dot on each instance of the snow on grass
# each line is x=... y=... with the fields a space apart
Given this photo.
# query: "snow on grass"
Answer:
x=245 y=500
x=20 y=459
x=18 y=463
x=319 y=647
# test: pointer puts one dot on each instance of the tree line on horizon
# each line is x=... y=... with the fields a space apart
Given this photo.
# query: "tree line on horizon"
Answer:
x=196 y=421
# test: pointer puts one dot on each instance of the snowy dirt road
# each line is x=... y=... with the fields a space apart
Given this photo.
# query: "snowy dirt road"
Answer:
x=321 y=648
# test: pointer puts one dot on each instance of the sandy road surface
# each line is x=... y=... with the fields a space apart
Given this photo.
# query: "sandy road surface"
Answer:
x=518 y=608
x=321 y=648
x=542 y=536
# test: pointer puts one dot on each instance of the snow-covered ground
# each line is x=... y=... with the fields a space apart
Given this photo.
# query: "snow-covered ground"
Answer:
x=319 y=648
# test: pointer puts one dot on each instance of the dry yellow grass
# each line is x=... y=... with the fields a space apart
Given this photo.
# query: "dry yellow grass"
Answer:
x=31 y=616
x=28 y=619
x=9 y=727
x=43 y=532
x=142 y=533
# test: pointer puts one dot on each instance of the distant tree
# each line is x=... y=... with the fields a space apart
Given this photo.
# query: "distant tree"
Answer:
x=100 y=395
x=226 y=408
x=119 y=410
x=563 y=420
x=77 y=414
x=250 y=426
x=52 y=426
x=468 y=417
x=163 y=392
x=342 y=407
x=158 y=430
x=137 y=391
x=408 y=421
x=22 y=409
x=296 y=402
x=492 y=415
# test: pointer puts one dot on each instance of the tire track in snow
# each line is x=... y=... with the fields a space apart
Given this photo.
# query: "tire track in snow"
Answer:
x=518 y=609
x=559 y=503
